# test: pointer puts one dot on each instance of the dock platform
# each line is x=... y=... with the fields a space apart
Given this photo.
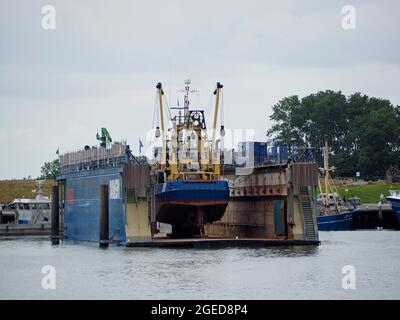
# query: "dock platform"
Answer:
x=220 y=243
x=368 y=217
x=25 y=229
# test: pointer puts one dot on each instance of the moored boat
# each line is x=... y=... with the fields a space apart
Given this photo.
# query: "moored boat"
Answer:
x=334 y=213
x=336 y=222
x=394 y=200
x=28 y=211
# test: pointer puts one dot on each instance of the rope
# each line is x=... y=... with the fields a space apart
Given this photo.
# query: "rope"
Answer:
x=155 y=113
x=222 y=108
x=208 y=110
x=168 y=109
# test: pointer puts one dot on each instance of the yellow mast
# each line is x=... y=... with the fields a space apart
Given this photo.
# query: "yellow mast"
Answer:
x=164 y=149
x=326 y=171
x=215 y=160
x=329 y=184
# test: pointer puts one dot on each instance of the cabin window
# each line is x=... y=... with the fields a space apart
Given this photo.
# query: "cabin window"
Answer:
x=13 y=206
x=26 y=206
x=33 y=206
x=20 y=206
x=47 y=206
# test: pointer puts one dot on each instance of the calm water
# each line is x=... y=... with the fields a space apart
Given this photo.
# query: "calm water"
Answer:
x=87 y=272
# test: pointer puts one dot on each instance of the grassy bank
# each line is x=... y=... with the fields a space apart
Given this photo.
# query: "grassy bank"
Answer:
x=368 y=193
x=10 y=189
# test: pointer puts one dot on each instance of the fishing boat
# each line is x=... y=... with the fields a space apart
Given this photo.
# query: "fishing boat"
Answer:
x=334 y=213
x=189 y=191
x=394 y=199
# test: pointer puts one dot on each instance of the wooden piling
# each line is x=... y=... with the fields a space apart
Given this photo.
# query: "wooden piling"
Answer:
x=55 y=216
x=104 y=216
x=380 y=215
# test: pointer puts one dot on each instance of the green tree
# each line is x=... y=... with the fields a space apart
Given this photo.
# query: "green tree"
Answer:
x=50 y=169
x=363 y=133
x=282 y=116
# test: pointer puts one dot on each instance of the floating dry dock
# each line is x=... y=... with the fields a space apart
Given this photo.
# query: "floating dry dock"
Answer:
x=273 y=205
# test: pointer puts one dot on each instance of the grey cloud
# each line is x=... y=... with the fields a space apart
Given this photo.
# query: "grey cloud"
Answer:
x=100 y=65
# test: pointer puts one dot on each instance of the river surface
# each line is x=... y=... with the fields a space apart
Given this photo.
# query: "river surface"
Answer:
x=83 y=271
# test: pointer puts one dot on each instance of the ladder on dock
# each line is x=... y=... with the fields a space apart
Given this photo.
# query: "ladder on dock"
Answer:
x=306 y=206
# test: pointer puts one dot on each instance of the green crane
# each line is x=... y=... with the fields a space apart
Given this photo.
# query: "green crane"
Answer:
x=104 y=138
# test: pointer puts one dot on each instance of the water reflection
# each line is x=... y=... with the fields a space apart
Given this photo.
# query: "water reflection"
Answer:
x=279 y=252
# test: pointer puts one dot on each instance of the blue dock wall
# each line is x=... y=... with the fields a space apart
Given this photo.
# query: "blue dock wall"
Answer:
x=81 y=211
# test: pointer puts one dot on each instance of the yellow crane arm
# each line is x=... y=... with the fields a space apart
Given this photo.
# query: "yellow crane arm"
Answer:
x=213 y=151
x=164 y=148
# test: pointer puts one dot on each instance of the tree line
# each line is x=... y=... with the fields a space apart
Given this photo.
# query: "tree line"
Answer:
x=363 y=132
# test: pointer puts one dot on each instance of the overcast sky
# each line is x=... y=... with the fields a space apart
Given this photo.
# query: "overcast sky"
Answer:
x=99 y=67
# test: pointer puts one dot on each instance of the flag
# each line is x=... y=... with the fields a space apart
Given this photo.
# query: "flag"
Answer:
x=140 y=146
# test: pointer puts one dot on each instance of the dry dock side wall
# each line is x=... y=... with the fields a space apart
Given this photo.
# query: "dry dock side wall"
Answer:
x=251 y=218
x=129 y=203
x=136 y=183
x=81 y=191
x=271 y=203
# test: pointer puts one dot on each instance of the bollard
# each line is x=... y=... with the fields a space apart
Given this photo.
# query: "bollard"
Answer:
x=103 y=216
x=55 y=216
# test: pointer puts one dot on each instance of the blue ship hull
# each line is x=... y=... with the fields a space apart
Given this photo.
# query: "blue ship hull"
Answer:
x=336 y=222
x=191 y=204
x=395 y=202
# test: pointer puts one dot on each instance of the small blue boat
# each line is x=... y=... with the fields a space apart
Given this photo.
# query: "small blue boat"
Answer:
x=394 y=199
x=336 y=222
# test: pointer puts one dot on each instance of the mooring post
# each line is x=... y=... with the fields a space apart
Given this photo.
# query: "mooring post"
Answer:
x=380 y=214
x=103 y=216
x=55 y=216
